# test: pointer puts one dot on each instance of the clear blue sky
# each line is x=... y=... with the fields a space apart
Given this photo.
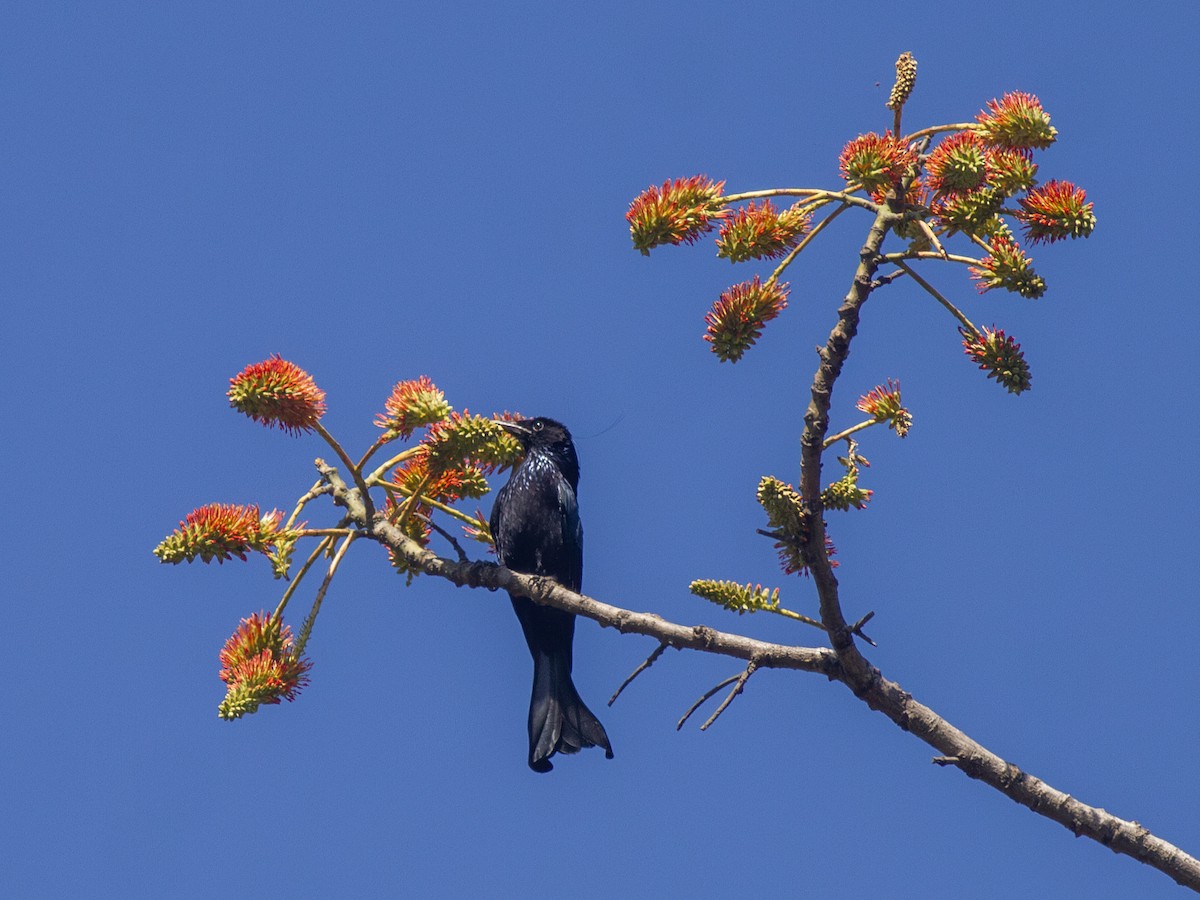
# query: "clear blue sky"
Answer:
x=379 y=191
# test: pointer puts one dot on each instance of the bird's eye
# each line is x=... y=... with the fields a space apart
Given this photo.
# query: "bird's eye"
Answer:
x=538 y=426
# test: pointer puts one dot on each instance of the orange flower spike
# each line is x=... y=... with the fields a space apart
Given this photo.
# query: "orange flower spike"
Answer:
x=762 y=232
x=677 y=213
x=412 y=405
x=278 y=392
x=1055 y=211
x=736 y=320
x=220 y=531
x=1016 y=120
x=876 y=162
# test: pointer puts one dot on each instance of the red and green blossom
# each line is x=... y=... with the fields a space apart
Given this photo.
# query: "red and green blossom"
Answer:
x=789 y=524
x=845 y=494
x=259 y=664
x=446 y=485
x=959 y=163
x=1057 y=210
x=972 y=212
x=883 y=403
x=736 y=320
x=413 y=404
x=463 y=439
x=221 y=531
x=762 y=232
x=1000 y=356
x=1008 y=267
x=1016 y=120
x=278 y=392
x=877 y=162
x=678 y=212
x=1010 y=171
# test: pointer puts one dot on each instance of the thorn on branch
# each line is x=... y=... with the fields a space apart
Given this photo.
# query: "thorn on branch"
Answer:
x=647 y=663
x=945 y=760
x=856 y=628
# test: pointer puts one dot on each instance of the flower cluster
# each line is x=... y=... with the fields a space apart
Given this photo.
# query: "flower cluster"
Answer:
x=463 y=440
x=788 y=522
x=278 y=392
x=1000 y=356
x=259 y=664
x=1018 y=121
x=222 y=531
x=678 y=212
x=1010 y=171
x=845 y=494
x=959 y=163
x=1057 y=210
x=883 y=403
x=413 y=404
x=1008 y=267
x=447 y=485
x=973 y=212
x=876 y=162
x=736 y=320
x=736 y=597
x=762 y=232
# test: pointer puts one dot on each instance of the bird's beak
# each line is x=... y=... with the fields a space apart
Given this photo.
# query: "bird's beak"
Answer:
x=516 y=429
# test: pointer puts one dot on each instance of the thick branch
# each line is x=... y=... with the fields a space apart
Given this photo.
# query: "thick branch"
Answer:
x=887 y=697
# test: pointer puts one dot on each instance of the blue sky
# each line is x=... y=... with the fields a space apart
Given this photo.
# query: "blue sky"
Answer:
x=378 y=192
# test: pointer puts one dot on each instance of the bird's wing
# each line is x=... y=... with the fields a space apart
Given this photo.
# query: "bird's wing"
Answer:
x=572 y=571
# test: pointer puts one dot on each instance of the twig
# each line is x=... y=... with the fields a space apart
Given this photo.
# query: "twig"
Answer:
x=841 y=435
x=704 y=699
x=313 y=493
x=462 y=554
x=737 y=689
x=646 y=663
x=808 y=239
x=354 y=471
x=936 y=294
x=322 y=546
x=306 y=629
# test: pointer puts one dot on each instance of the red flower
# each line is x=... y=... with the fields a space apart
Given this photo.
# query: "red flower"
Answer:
x=1010 y=171
x=762 y=232
x=412 y=405
x=972 y=212
x=1008 y=267
x=277 y=392
x=1057 y=210
x=1000 y=356
x=884 y=404
x=221 y=531
x=259 y=665
x=959 y=163
x=1016 y=120
x=447 y=485
x=736 y=320
x=876 y=162
x=678 y=212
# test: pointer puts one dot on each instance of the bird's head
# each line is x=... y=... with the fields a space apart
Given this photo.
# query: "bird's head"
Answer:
x=546 y=437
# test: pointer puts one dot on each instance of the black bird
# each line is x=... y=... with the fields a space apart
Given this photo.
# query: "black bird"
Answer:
x=535 y=522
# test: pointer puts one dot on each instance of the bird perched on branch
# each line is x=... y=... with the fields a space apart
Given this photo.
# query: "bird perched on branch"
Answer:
x=535 y=523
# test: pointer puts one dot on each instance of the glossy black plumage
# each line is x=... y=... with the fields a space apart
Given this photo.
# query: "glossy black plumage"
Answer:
x=535 y=522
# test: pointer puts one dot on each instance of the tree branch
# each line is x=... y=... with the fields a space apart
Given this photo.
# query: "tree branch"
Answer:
x=866 y=682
